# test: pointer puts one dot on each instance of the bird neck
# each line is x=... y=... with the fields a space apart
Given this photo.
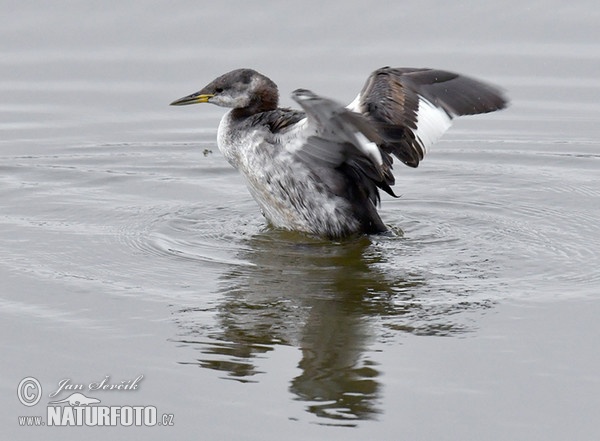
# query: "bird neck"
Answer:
x=263 y=99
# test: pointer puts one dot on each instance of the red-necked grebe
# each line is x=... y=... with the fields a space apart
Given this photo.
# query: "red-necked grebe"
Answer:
x=320 y=170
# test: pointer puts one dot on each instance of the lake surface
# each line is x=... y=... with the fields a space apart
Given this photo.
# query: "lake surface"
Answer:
x=130 y=247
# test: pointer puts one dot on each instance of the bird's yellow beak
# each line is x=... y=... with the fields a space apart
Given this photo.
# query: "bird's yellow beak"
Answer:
x=194 y=98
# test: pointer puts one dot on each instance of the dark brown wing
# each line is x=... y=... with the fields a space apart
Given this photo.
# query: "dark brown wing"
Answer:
x=411 y=108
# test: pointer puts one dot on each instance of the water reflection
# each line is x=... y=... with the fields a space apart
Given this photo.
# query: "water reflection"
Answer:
x=329 y=300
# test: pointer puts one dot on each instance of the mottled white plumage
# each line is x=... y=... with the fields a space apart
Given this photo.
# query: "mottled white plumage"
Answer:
x=285 y=189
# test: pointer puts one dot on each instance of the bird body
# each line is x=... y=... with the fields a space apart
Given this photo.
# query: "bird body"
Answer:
x=320 y=170
x=291 y=193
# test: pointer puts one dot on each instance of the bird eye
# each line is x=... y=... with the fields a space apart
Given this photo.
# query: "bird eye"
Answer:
x=219 y=89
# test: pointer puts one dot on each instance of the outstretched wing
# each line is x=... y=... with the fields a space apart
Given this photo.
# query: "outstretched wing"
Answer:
x=411 y=108
x=337 y=138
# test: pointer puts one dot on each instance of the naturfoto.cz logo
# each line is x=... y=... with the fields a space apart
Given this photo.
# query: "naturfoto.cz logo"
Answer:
x=79 y=409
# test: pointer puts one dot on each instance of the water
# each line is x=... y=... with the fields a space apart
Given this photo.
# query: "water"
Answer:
x=130 y=247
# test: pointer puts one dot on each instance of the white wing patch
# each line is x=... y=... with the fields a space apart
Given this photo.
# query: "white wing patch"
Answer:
x=432 y=122
x=369 y=148
x=354 y=106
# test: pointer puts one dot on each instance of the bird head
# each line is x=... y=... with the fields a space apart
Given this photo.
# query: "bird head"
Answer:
x=238 y=89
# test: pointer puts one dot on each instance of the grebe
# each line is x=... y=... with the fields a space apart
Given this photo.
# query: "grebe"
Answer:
x=319 y=170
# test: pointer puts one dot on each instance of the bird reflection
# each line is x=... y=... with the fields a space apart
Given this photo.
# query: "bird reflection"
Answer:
x=325 y=299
